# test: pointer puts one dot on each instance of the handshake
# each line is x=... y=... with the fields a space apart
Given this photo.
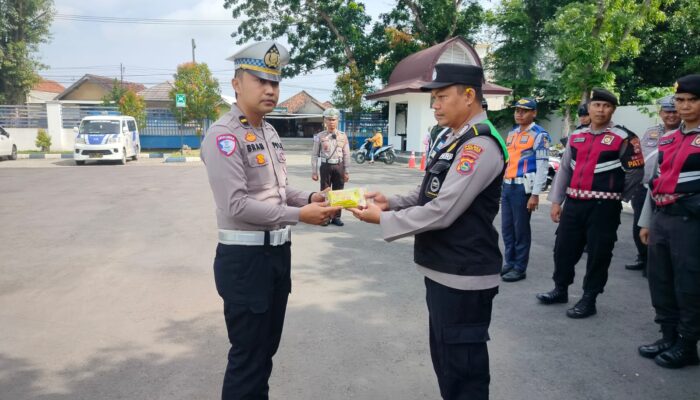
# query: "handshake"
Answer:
x=326 y=205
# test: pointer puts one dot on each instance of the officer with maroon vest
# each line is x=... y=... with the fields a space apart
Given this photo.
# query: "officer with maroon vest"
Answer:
x=670 y=223
x=456 y=245
x=601 y=166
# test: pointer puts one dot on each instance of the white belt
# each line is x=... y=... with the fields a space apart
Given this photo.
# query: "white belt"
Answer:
x=519 y=179
x=255 y=238
x=327 y=161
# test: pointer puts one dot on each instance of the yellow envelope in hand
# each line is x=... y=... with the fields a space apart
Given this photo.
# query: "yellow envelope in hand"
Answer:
x=347 y=198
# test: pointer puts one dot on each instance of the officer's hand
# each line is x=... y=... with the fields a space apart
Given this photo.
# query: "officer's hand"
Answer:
x=346 y=177
x=644 y=235
x=379 y=199
x=555 y=213
x=314 y=176
x=320 y=197
x=533 y=202
x=317 y=213
x=371 y=213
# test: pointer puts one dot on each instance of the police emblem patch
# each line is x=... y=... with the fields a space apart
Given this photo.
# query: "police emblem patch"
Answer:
x=434 y=184
x=250 y=137
x=607 y=140
x=272 y=57
x=260 y=159
x=226 y=144
x=696 y=142
x=465 y=166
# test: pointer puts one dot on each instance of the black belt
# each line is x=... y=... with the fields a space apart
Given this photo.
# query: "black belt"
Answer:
x=675 y=209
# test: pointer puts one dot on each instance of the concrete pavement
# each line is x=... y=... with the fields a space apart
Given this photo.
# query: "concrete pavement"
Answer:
x=107 y=292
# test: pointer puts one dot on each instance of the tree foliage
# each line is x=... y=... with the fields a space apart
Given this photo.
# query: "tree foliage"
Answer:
x=133 y=105
x=202 y=92
x=115 y=93
x=24 y=24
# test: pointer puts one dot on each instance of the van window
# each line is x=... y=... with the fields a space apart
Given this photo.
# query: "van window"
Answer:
x=95 y=127
x=132 y=125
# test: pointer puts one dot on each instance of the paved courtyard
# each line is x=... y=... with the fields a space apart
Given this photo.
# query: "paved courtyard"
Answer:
x=107 y=292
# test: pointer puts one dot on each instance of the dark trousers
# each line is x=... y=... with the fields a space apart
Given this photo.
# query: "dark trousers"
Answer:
x=459 y=323
x=332 y=176
x=515 y=225
x=638 y=198
x=674 y=272
x=591 y=224
x=254 y=282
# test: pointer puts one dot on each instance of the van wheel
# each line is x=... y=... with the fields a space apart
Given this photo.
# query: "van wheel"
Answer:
x=135 y=157
x=123 y=160
x=79 y=162
x=13 y=156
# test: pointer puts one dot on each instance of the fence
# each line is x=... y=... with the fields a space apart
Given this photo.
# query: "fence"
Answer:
x=23 y=116
x=73 y=114
x=360 y=126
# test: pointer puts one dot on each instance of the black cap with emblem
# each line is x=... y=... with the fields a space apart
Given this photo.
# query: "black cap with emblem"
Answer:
x=583 y=110
x=453 y=74
x=600 y=94
x=688 y=84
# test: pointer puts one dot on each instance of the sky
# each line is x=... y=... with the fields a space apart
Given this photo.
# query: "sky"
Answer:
x=150 y=53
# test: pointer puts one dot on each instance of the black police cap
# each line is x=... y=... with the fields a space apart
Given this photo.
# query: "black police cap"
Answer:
x=453 y=74
x=600 y=94
x=582 y=110
x=688 y=84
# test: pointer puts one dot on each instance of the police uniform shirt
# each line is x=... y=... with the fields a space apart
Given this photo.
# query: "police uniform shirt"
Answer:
x=330 y=149
x=650 y=150
x=456 y=195
x=247 y=172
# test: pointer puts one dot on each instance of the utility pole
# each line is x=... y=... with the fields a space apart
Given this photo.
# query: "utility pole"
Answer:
x=194 y=46
x=121 y=74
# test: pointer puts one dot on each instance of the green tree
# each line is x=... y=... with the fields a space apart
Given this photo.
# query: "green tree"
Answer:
x=43 y=140
x=133 y=105
x=115 y=94
x=202 y=92
x=24 y=24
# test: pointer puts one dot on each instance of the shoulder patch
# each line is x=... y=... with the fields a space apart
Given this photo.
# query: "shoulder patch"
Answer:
x=465 y=166
x=226 y=144
x=470 y=147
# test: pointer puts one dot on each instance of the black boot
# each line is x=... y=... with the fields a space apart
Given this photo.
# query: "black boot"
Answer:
x=683 y=353
x=666 y=342
x=584 y=308
x=337 y=222
x=560 y=294
x=638 y=265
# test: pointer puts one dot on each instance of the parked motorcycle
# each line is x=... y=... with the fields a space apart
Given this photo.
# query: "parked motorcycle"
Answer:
x=384 y=153
x=554 y=163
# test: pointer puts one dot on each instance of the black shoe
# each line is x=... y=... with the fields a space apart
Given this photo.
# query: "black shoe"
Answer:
x=584 y=308
x=337 y=222
x=514 y=276
x=506 y=269
x=684 y=352
x=557 y=295
x=636 y=266
x=666 y=342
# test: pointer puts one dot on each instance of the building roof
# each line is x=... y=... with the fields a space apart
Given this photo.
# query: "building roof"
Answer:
x=159 y=92
x=106 y=82
x=48 y=86
x=414 y=71
x=297 y=102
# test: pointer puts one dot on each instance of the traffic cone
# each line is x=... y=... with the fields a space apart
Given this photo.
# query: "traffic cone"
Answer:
x=412 y=160
x=422 y=162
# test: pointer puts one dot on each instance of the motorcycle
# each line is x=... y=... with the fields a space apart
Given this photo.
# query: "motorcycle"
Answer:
x=384 y=153
x=554 y=163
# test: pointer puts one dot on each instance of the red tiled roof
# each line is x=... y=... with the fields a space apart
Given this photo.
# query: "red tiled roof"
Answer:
x=297 y=102
x=49 y=86
x=414 y=71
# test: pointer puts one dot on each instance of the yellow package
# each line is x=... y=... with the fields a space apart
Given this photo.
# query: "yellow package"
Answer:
x=348 y=198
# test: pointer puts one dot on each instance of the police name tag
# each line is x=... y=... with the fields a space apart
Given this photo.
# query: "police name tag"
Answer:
x=446 y=156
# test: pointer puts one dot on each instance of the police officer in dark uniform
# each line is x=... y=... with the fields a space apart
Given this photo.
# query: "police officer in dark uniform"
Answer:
x=648 y=143
x=583 y=121
x=601 y=165
x=456 y=245
x=670 y=223
x=255 y=208
x=332 y=149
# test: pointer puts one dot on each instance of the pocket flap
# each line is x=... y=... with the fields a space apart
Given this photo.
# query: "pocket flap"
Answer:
x=469 y=333
x=439 y=167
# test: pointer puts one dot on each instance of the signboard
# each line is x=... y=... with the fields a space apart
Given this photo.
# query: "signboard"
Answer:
x=180 y=100
x=280 y=110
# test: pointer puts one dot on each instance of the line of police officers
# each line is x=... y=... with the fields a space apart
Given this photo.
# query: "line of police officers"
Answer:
x=451 y=216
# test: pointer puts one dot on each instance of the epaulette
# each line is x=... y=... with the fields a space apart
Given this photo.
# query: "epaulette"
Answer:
x=622 y=128
x=243 y=120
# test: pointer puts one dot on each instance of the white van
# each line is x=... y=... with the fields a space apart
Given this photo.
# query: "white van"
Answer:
x=107 y=137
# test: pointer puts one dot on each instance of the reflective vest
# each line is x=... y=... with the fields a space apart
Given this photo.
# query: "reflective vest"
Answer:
x=523 y=157
x=599 y=161
x=678 y=173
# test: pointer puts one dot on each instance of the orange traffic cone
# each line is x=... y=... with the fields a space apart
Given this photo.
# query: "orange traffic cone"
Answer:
x=412 y=160
x=422 y=162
